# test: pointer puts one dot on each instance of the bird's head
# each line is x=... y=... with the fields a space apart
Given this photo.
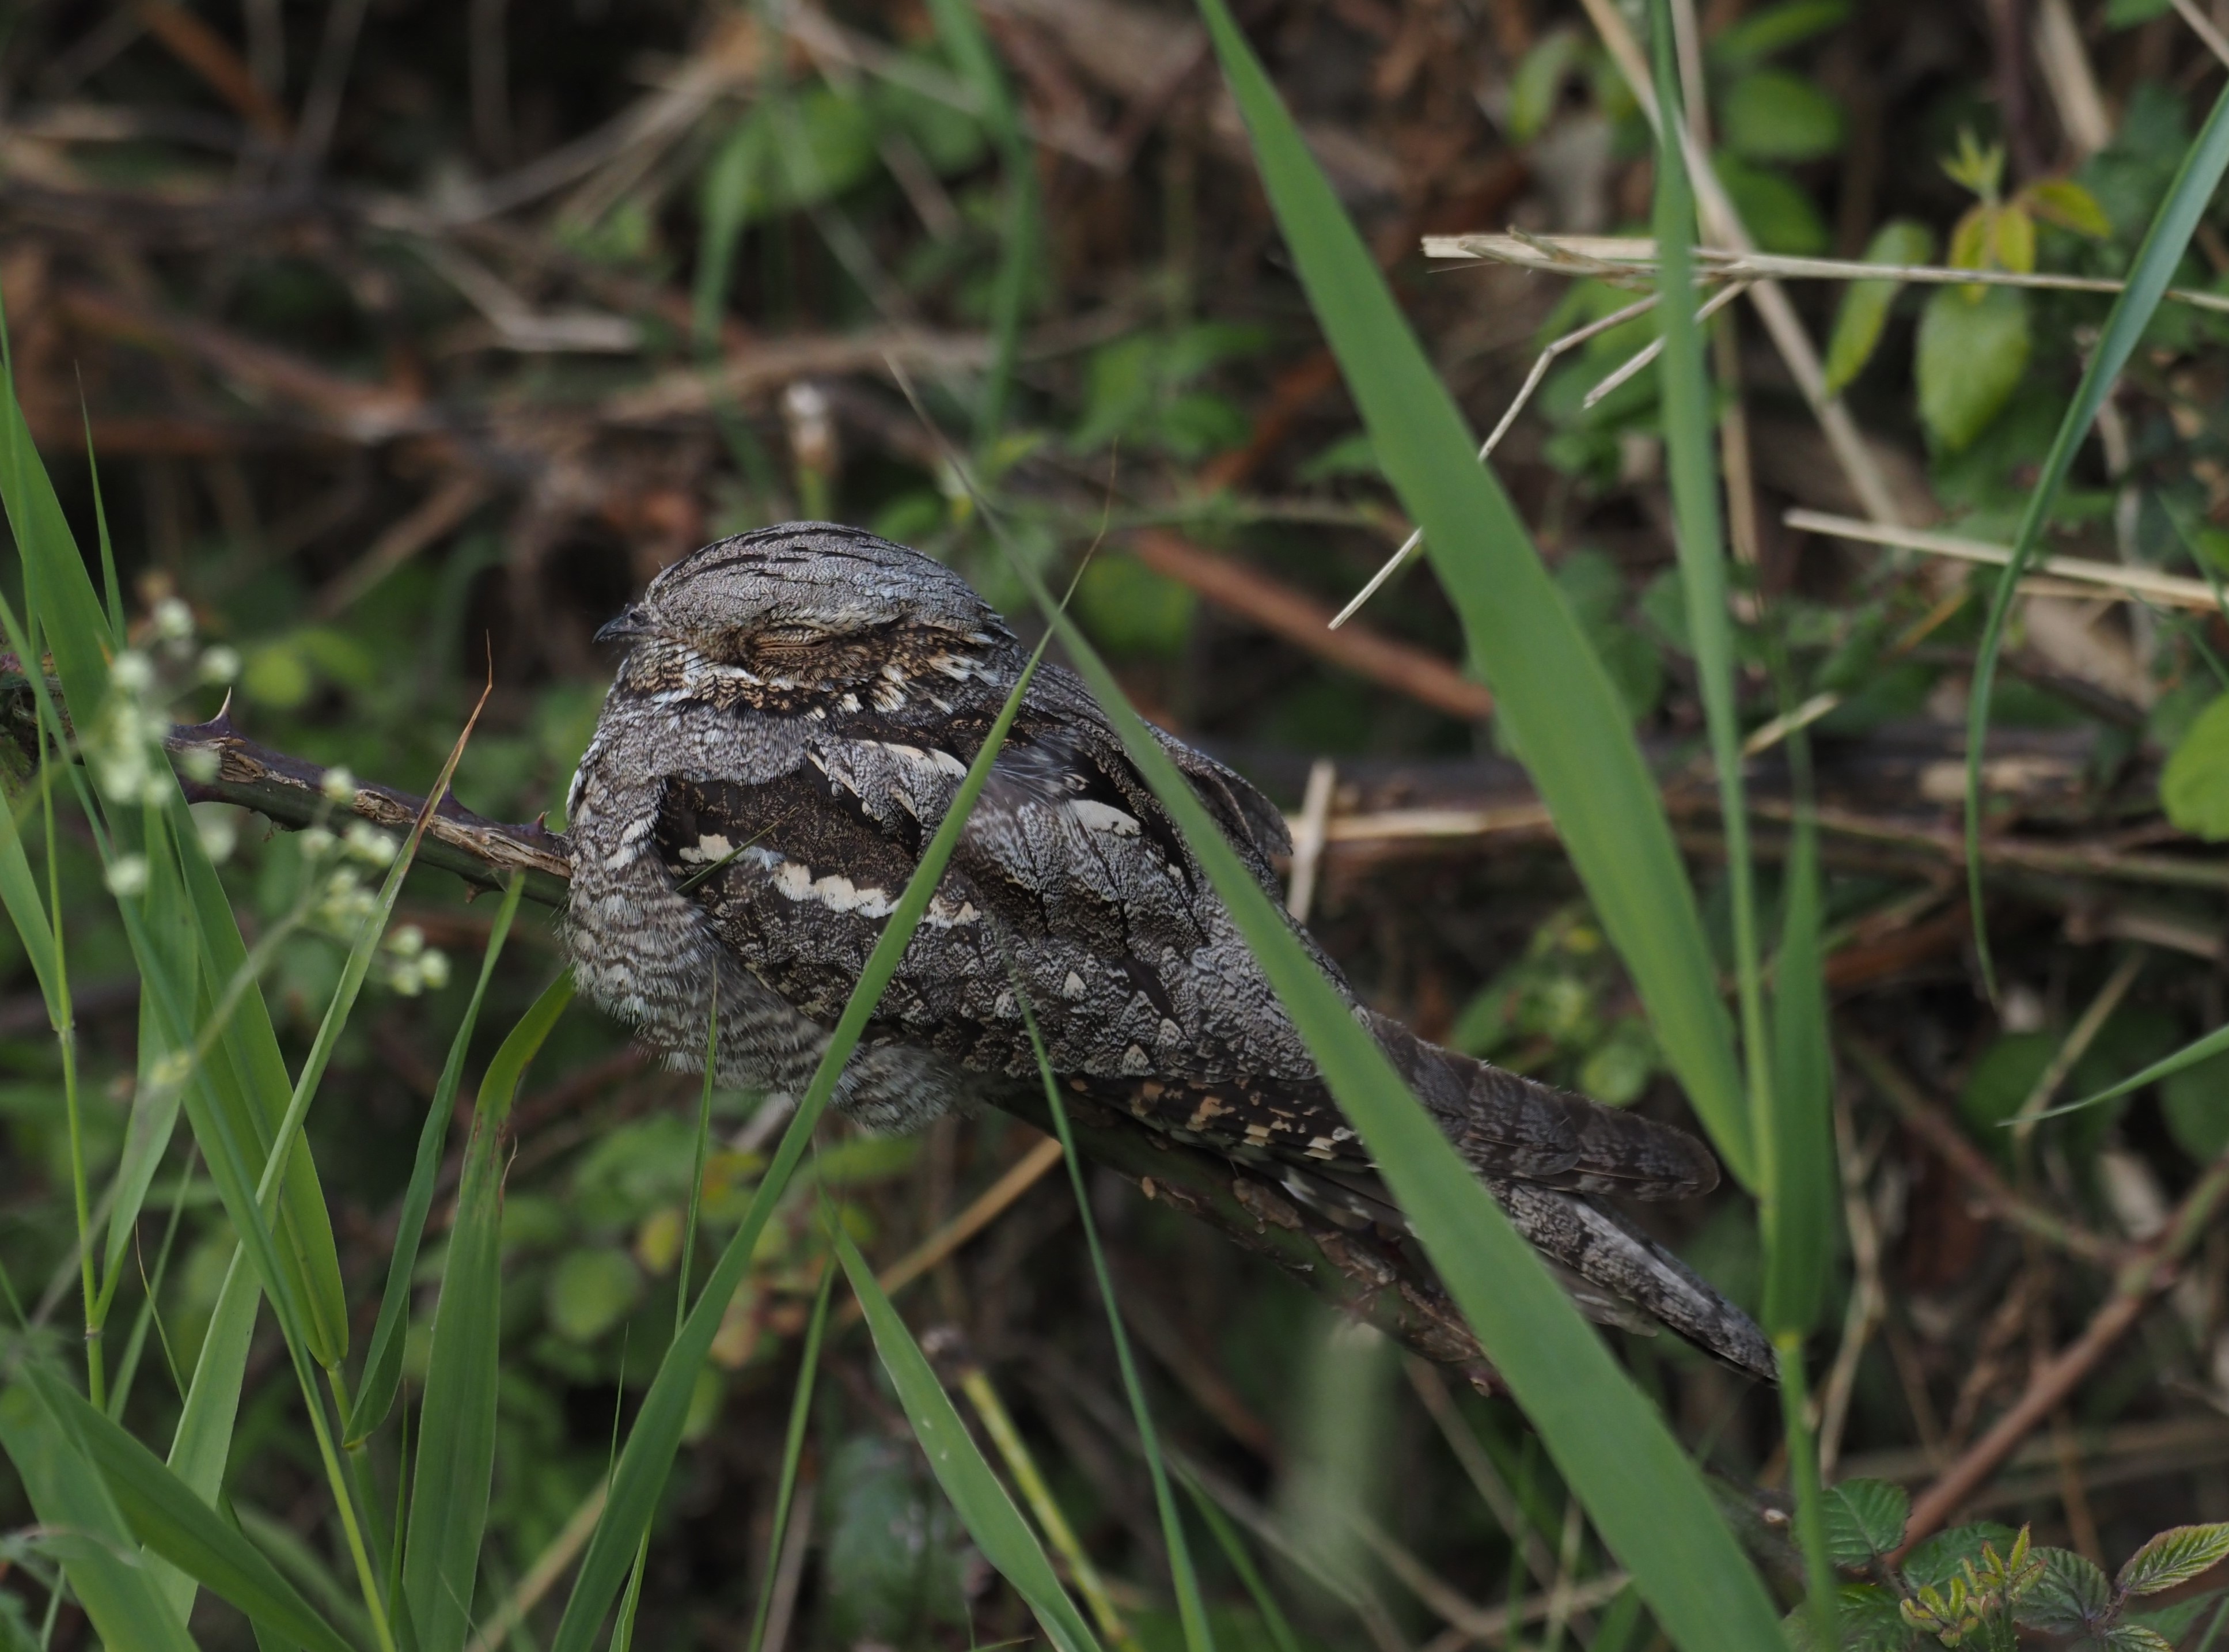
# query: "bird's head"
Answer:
x=814 y=603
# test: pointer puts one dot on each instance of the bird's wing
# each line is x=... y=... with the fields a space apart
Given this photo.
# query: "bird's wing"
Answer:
x=1071 y=889
x=1072 y=893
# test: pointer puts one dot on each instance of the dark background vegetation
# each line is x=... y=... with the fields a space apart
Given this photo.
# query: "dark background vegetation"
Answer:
x=414 y=337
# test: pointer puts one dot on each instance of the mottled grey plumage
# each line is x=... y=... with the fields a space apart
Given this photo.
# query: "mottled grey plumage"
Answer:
x=796 y=711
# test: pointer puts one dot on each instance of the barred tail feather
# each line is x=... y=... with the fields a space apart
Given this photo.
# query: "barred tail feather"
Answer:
x=1633 y=1268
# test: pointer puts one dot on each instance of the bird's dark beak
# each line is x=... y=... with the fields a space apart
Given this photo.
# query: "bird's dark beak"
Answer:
x=630 y=623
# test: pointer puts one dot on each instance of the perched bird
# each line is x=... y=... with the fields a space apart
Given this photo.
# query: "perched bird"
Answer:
x=795 y=711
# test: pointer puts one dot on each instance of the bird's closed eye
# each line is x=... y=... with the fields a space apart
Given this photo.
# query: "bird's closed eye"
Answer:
x=780 y=639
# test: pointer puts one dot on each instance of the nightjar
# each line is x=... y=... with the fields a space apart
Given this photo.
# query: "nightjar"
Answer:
x=795 y=710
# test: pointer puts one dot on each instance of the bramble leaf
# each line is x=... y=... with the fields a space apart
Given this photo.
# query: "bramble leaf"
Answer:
x=1865 y=1518
x=2073 y=1597
x=2175 y=1556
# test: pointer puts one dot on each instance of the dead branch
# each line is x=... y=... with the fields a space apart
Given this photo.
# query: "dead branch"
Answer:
x=1230 y=583
x=2056 y=1378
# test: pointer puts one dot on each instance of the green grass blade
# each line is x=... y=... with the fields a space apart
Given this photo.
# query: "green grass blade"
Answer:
x=1688 y=423
x=2199 y=1049
x=176 y=1523
x=623 y=1629
x=989 y=1515
x=793 y=1453
x=1234 y=1550
x=1020 y=234
x=154 y=1104
x=382 y=1359
x=89 y=1536
x=1199 y=1635
x=1800 y=1217
x=2164 y=244
x=456 y=1443
x=255 y=1096
x=111 y=587
x=26 y=909
x=149 y=1316
x=651 y=1443
x=1645 y=1497
x=201 y=1444
x=1553 y=698
x=56 y=586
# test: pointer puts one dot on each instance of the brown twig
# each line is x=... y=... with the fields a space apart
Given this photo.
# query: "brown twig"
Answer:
x=1230 y=583
x=289 y=790
x=2150 y=1272
x=1969 y=1163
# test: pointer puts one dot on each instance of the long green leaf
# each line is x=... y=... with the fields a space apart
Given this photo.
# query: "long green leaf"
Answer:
x=1282 y=1638
x=1791 y=1227
x=456 y=1449
x=1800 y=1219
x=154 y=1103
x=175 y=1522
x=1645 y=1497
x=793 y=1454
x=19 y=894
x=201 y=1444
x=656 y=1437
x=55 y=585
x=989 y=1515
x=382 y=1359
x=2164 y=244
x=87 y=1532
x=2203 y=1048
x=1701 y=542
x=254 y=1092
x=1553 y=698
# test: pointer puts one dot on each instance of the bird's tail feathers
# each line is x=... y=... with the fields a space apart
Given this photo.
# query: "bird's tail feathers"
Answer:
x=1605 y=1252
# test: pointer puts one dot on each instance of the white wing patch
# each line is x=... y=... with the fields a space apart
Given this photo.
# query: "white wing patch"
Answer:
x=793 y=880
x=711 y=847
x=1095 y=816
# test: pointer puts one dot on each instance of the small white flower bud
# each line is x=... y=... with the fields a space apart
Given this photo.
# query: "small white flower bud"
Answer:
x=407 y=978
x=132 y=672
x=435 y=967
x=219 y=836
x=338 y=786
x=200 y=763
x=407 y=941
x=219 y=664
x=318 y=843
x=369 y=845
x=174 y=620
x=127 y=875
